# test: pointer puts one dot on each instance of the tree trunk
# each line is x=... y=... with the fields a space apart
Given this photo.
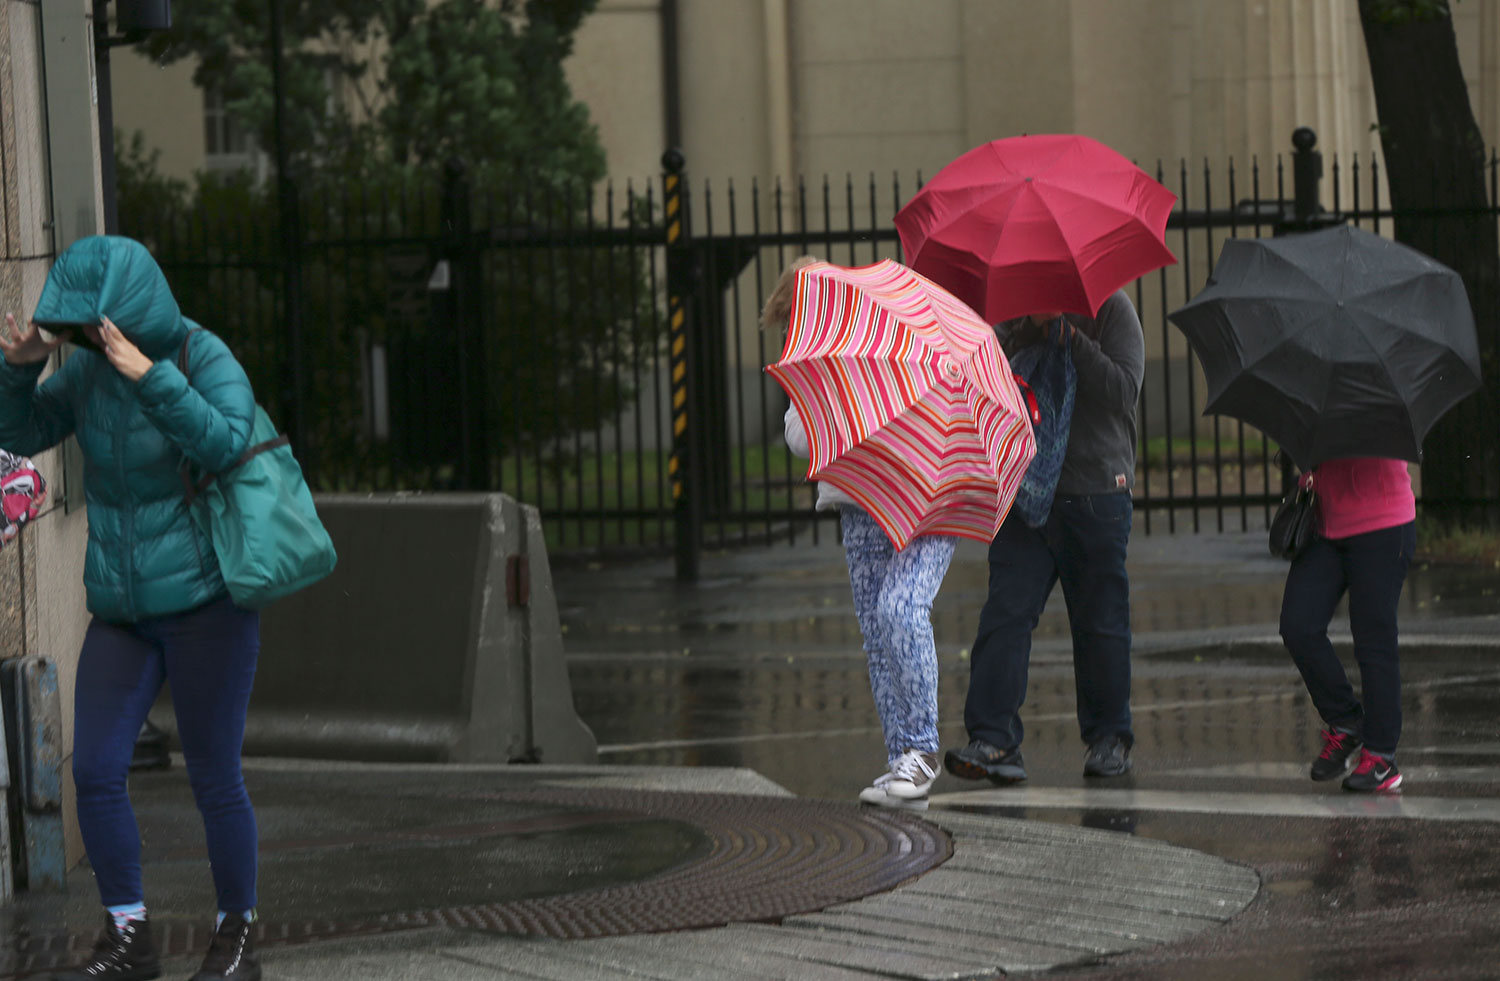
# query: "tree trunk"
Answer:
x=1437 y=171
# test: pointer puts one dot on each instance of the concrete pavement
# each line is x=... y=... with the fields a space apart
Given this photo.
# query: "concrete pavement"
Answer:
x=416 y=872
x=1216 y=858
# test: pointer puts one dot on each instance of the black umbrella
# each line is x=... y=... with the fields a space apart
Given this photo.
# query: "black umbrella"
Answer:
x=1334 y=343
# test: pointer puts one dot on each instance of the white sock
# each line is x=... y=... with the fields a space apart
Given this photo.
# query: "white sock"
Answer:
x=124 y=914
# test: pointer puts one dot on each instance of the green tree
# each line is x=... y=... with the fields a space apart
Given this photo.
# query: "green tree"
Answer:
x=1436 y=166
x=471 y=81
x=371 y=83
x=466 y=81
x=138 y=176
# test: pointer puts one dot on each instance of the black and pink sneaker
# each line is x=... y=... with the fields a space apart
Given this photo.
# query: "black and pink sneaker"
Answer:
x=1338 y=747
x=1373 y=775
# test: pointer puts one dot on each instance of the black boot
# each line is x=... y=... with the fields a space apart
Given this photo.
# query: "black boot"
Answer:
x=124 y=953
x=231 y=955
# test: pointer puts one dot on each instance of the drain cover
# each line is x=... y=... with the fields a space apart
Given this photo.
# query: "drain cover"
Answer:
x=770 y=857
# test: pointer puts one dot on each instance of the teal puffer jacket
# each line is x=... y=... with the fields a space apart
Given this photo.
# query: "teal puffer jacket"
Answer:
x=146 y=557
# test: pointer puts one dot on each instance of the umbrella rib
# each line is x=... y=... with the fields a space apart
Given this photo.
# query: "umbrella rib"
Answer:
x=1390 y=380
x=959 y=214
x=921 y=392
x=1077 y=276
x=1283 y=342
x=1125 y=213
x=1289 y=264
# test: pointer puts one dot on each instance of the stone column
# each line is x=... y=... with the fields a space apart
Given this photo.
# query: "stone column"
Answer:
x=41 y=574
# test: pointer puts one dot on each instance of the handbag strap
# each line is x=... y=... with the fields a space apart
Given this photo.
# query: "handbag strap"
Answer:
x=191 y=489
x=1036 y=412
x=1306 y=492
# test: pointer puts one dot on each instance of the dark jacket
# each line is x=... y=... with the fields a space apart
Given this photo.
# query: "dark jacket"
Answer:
x=1109 y=353
x=146 y=557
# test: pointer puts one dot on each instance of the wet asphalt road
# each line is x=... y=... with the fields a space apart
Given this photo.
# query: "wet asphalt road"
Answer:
x=759 y=665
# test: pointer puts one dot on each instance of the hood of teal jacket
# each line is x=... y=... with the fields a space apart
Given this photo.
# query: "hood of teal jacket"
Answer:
x=114 y=277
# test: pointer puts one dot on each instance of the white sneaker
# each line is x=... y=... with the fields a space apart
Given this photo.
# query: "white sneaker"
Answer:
x=880 y=798
x=875 y=792
x=905 y=784
x=912 y=775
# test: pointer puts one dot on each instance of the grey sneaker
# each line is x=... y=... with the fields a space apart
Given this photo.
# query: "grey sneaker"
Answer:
x=905 y=784
x=912 y=775
x=983 y=761
x=1109 y=757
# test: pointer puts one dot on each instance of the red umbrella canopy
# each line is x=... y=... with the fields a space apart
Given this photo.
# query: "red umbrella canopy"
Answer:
x=1033 y=224
x=908 y=401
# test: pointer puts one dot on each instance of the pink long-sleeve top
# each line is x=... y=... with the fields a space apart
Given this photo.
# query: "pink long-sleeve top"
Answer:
x=1362 y=494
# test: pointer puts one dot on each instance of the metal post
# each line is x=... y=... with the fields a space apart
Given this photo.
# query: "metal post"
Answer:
x=671 y=74
x=294 y=377
x=1307 y=172
x=33 y=737
x=682 y=469
x=104 y=90
x=136 y=19
x=465 y=310
x=7 y=872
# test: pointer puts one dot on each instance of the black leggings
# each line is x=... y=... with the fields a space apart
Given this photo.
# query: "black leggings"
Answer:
x=1372 y=569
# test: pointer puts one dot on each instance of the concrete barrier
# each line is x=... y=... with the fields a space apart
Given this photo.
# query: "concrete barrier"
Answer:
x=436 y=639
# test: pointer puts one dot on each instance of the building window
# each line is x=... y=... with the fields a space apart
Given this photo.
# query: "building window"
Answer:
x=228 y=146
x=222 y=133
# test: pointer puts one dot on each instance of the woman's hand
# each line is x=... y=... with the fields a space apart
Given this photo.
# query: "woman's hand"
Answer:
x=27 y=345
x=125 y=356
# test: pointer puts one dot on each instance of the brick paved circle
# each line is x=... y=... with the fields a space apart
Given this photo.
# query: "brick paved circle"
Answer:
x=771 y=857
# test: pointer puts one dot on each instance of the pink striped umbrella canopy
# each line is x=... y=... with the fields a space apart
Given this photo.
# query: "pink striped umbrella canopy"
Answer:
x=909 y=404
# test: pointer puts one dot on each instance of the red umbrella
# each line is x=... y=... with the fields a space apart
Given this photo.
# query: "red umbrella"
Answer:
x=909 y=404
x=1033 y=224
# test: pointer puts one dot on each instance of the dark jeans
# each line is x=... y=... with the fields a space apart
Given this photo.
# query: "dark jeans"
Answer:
x=1372 y=569
x=1083 y=545
x=208 y=654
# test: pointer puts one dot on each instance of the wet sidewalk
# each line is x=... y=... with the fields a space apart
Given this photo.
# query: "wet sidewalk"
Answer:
x=414 y=872
x=736 y=719
x=760 y=666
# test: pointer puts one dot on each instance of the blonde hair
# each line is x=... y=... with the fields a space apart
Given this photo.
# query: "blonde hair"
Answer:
x=777 y=313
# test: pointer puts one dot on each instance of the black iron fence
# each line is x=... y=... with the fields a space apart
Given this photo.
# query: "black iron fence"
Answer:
x=598 y=354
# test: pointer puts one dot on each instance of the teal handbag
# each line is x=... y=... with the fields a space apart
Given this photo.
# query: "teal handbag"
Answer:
x=259 y=514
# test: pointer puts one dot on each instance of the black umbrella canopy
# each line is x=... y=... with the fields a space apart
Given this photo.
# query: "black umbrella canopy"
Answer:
x=1334 y=343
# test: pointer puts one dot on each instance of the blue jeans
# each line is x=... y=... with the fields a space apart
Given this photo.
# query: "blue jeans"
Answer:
x=208 y=654
x=893 y=594
x=1372 y=569
x=1082 y=545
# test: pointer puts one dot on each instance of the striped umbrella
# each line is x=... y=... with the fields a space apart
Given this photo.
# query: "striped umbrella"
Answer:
x=909 y=404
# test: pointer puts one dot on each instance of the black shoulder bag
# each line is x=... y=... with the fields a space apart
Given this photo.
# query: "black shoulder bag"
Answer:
x=1293 y=527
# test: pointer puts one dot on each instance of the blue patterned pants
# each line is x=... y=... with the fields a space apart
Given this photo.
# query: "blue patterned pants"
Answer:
x=893 y=594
